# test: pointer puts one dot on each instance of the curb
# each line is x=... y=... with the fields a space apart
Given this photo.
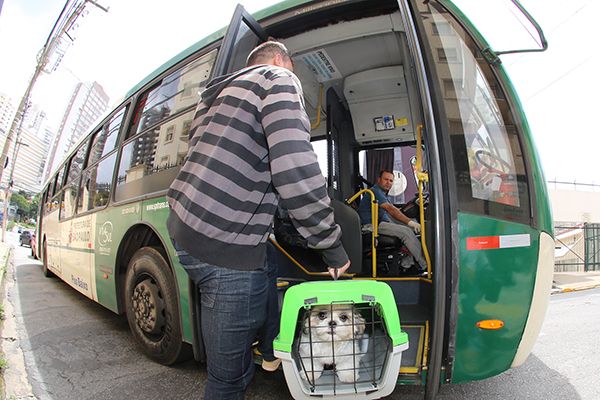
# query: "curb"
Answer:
x=14 y=376
x=573 y=289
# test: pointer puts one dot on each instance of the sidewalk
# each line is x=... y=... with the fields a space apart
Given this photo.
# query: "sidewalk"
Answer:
x=13 y=376
x=574 y=281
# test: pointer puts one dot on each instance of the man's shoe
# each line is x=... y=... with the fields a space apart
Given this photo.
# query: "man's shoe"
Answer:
x=271 y=366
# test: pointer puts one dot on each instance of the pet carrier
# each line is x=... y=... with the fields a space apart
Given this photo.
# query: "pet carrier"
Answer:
x=340 y=339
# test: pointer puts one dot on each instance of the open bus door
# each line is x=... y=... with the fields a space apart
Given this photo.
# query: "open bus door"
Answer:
x=485 y=192
x=243 y=34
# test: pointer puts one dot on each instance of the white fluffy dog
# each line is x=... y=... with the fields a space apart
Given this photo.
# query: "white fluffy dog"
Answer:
x=332 y=334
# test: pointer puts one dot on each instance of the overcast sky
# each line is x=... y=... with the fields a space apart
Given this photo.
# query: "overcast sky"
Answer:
x=558 y=88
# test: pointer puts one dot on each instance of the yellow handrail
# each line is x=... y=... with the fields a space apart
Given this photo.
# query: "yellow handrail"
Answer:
x=422 y=177
x=307 y=272
x=319 y=104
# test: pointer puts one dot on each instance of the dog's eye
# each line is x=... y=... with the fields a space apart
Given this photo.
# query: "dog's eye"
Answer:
x=322 y=315
x=343 y=318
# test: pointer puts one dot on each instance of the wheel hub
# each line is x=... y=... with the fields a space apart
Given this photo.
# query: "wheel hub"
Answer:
x=148 y=307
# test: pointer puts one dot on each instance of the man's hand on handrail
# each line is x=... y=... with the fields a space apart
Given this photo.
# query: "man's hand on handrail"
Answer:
x=337 y=272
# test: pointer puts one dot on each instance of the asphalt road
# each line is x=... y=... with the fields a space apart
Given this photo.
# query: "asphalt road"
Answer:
x=76 y=349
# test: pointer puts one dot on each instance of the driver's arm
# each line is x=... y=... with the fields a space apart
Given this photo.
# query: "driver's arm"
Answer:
x=394 y=212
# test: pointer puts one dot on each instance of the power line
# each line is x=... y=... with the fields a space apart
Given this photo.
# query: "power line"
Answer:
x=65 y=23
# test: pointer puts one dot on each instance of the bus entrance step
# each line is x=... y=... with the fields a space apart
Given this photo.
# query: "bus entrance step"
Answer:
x=412 y=358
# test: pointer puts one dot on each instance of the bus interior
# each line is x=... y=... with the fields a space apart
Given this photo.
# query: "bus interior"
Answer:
x=362 y=99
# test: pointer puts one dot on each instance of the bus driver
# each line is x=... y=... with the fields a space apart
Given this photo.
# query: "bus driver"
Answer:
x=391 y=219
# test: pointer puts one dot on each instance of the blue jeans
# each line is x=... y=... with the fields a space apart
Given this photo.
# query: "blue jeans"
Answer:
x=232 y=310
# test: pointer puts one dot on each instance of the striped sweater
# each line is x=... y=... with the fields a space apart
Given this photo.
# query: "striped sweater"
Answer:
x=249 y=150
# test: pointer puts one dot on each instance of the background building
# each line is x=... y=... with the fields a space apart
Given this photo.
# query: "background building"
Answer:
x=87 y=104
x=7 y=112
x=30 y=150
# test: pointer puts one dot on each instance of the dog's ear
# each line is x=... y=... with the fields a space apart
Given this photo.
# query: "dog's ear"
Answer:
x=305 y=323
x=359 y=324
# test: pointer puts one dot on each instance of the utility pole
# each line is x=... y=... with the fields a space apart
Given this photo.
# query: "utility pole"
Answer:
x=60 y=35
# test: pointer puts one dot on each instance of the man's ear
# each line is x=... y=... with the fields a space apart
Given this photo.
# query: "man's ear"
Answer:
x=277 y=60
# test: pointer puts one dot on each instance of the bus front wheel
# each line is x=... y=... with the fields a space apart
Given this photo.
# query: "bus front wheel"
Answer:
x=151 y=306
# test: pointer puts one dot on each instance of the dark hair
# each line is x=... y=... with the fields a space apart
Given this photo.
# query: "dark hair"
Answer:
x=266 y=51
x=383 y=171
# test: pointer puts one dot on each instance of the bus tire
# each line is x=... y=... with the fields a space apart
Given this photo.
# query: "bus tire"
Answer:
x=45 y=270
x=151 y=307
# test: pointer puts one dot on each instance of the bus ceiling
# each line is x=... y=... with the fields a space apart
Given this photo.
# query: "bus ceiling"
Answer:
x=503 y=23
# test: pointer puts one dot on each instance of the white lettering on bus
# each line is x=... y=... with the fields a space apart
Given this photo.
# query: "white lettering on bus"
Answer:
x=129 y=210
x=78 y=282
x=157 y=206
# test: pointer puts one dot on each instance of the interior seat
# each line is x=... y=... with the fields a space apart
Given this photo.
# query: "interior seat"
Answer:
x=293 y=243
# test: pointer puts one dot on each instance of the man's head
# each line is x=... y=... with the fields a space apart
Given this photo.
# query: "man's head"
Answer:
x=273 y=53
x=385 y=180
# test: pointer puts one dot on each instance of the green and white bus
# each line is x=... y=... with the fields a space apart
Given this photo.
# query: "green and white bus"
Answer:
x=408 y=85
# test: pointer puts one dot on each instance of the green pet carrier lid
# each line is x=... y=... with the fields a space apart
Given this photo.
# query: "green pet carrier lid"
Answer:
x=308 y=294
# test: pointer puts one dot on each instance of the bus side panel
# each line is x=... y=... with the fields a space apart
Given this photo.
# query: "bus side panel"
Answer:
x=77 y=254
x=497 y=270
x=51 y=233
x=111 y=225
x=155 y=213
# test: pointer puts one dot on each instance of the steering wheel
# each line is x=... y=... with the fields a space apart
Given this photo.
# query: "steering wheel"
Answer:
x=496 y=165
x=411 y=208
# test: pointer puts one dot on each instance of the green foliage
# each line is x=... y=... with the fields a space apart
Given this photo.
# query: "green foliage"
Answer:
x=27 y=204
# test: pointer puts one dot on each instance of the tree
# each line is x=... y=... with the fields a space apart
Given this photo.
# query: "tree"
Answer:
x=22 y=204
x=27 y=205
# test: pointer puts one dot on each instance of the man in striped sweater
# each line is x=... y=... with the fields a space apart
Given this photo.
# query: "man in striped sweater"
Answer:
x=249 y=151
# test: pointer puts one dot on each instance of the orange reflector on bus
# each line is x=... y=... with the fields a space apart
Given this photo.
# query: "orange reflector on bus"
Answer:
x=490 y=324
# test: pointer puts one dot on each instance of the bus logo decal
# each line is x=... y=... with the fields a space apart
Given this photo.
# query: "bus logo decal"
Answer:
x=105 y=233
x=498 y=242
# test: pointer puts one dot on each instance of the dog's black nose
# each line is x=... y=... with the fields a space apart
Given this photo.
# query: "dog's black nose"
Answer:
x=332 y=323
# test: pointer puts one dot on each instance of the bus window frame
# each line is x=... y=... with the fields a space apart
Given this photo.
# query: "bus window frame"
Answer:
x=87 y=144
x=90 y=167
x=127 y=107
x=105 y=124
x=129 y=121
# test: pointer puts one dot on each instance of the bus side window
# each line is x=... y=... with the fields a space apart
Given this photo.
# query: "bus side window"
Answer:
x=157 y=141
x=96 y=184
x=59 y=181
x=69 y=195
x=105 y=139
x=54 y=191
x=175 y=93
x=44 y=202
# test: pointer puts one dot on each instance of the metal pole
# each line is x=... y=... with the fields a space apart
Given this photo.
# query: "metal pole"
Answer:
x=7 y=190
x=63 y=24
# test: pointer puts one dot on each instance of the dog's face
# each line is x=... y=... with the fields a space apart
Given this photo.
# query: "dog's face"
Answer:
x=342 y=321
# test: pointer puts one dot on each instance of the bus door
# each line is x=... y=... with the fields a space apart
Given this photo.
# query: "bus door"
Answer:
x=340 y=161
x=471 y=115
x=242 y=36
